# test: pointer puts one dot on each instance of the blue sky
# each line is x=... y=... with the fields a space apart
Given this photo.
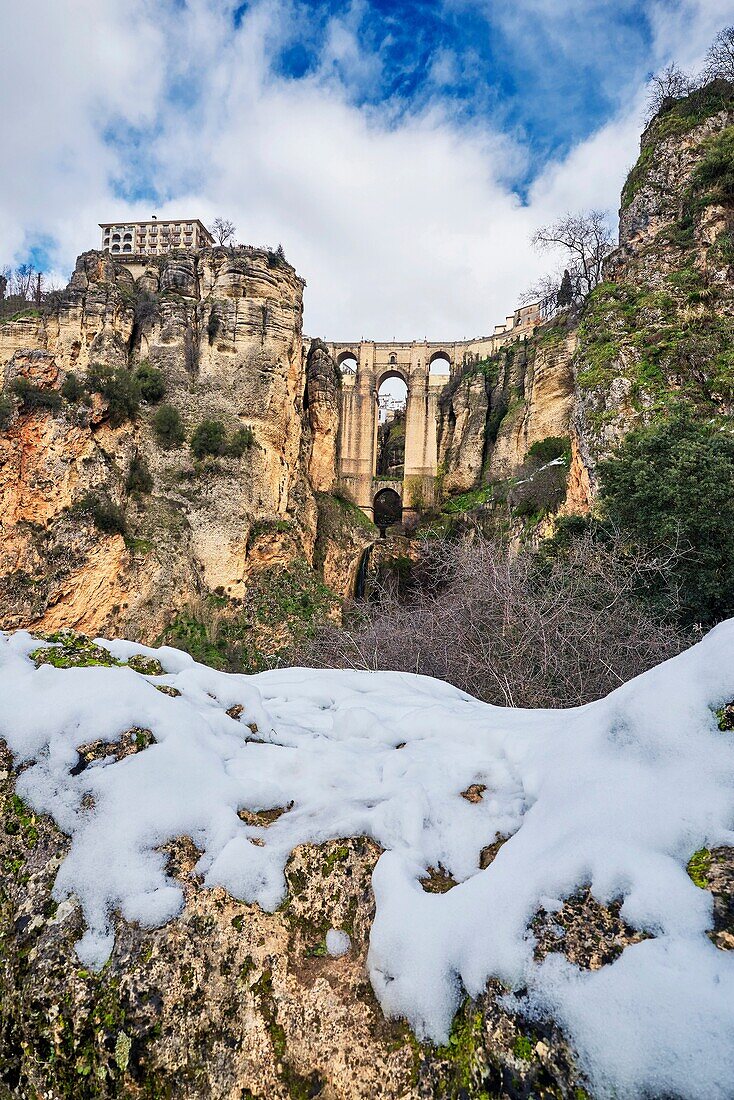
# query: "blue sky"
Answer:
x=403 y=151
x=550 y=80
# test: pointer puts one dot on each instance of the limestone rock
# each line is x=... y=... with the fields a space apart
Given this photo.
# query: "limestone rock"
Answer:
x=461 y=442
x=224 y=328
x=228 y=1001
x=322 y=395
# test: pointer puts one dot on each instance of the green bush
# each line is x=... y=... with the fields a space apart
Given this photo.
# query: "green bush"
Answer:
x=152 y=385
x=209 y=438
x=240 y=441
x=550 y=448
x=672 y=483
x=104 y=513
x=168 y=427
x=139 y=478
x=7 y=408
x=119 y=387
x=32 y=398
x=715 y=172
x=495 y=418
x=72 y=389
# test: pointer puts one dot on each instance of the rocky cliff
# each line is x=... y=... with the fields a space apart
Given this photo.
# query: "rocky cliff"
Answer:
x=111 y=516
x=658 y=329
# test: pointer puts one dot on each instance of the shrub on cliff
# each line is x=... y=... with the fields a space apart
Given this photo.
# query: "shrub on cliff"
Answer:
x=7 y=409
x=550 y=448
x=168 y=427
x=139 y=478
x=33 y=398
x=72 y=389
x=715 y=172
x=673 y=482
x=209 y=438
x=104 y=513
x=119 y=387
x=152 y=384
x=240 y=441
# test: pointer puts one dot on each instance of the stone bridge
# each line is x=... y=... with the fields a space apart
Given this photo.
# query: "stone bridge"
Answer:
x=425 y=368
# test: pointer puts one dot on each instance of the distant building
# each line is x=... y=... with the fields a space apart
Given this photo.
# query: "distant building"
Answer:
x=153 y=237
x=522 y=322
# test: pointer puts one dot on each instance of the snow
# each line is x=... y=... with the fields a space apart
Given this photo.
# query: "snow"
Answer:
x=616 y=795
x=337 y=942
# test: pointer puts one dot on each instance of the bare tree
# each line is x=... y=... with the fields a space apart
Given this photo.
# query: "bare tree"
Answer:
x=23 y=281
x=719 y=61
x=665 y=87
x=543 y=290
x=584 y=240
x=524 y=629
x=222 y=231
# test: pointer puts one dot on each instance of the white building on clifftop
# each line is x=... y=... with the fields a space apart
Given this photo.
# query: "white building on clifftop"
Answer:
x=153 y=237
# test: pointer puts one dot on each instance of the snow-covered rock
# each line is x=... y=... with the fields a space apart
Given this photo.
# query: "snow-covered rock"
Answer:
x=615 y=797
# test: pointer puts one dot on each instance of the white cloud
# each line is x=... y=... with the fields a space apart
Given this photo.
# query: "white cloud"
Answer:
x=403 y=225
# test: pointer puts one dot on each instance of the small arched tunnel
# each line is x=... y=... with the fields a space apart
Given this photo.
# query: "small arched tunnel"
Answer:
x=387 y=508
x=440 y=363
x=347 y=362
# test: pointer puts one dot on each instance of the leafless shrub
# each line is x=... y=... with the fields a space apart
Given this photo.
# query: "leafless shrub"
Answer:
x=719 y=61
x=527 y=629
x=665 y=87
x=538 y=489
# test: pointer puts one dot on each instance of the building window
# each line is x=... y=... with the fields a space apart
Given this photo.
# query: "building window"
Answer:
x=127 y=248
x=115 y=236
x=115 y=248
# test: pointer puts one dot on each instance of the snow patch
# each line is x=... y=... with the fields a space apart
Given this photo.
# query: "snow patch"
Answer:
x=337 y=942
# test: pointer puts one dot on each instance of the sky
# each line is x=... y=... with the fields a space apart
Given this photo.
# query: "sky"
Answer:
x=401 y=151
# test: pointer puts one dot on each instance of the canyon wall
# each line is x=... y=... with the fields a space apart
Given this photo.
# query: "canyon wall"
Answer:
x=111 y=523
x=658 y=330
x=86 y=543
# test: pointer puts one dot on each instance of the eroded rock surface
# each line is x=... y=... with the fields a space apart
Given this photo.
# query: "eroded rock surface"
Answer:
x=86 y=545
x=228 y=1001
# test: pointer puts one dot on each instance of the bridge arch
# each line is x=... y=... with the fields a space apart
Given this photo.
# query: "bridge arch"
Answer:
x=387 y=508
x=388 y=434
x=348 y=362
x=392 y=372
x=439 y=363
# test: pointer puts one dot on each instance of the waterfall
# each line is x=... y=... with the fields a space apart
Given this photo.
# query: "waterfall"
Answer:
x=361 y=578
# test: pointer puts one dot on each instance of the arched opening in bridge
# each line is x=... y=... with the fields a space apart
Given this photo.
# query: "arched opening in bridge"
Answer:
x=392 y=396
x=439 y=363
x=387 y=509
x=347 y=362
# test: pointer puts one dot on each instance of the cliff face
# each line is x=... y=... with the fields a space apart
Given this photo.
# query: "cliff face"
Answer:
x=322 y=403
x=224 y=329
x=660 y=328
x=492 y=414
